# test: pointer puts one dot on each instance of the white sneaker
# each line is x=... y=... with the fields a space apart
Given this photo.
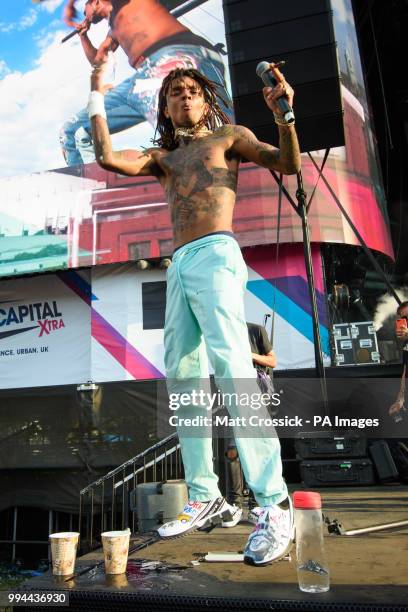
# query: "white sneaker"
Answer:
x=196 y=515
x=272 y=537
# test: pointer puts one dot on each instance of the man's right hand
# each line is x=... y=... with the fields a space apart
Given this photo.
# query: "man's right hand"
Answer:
x=83 y=27
x=402 y=333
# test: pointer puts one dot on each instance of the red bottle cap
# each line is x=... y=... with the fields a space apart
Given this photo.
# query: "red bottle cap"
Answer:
x=307 y=500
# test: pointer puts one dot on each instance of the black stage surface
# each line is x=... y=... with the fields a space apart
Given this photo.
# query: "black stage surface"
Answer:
x=368 y=572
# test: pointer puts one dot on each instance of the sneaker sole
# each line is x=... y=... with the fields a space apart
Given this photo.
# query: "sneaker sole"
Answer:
x=233 y=519
x=213 y=520
x=250 y=561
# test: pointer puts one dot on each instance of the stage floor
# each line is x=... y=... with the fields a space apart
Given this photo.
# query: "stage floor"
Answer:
x=368 y=572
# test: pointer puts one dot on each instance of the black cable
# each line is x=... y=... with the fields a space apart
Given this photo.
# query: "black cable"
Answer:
x=211 y=15
x=357 y=233
x=380 y=75
x=276 y=258
x=326 y=155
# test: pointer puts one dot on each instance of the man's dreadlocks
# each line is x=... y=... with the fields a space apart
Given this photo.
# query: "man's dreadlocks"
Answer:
x=212 y=118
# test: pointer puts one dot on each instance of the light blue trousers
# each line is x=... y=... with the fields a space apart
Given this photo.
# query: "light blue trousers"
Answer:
x=205 y=316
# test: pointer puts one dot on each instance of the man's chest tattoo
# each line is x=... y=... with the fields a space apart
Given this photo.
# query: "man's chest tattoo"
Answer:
x=194 y=189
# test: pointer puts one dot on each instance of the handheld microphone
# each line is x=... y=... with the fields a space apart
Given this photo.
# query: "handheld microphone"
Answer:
x=264 y=72
x=85 y=25
x=70 y=35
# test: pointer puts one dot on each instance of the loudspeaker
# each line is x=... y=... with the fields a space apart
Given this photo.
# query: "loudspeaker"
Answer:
x=302 y=34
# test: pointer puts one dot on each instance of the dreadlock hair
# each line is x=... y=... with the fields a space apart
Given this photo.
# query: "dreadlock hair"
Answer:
x=214 y=116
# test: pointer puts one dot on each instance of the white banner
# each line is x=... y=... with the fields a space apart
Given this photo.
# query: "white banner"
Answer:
x=127 y=336
x=107 y=325
x=45 y=330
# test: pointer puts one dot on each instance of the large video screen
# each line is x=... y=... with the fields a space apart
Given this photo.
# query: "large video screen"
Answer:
x=59 y=209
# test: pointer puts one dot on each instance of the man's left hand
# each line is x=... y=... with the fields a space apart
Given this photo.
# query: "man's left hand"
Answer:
x=70 y=14
x=272 y=94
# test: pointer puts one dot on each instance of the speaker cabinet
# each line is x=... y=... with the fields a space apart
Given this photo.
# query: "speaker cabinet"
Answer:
x=302 y=34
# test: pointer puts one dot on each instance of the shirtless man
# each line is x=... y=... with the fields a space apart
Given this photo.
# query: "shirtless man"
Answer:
x=155 y=42
x=196 y=162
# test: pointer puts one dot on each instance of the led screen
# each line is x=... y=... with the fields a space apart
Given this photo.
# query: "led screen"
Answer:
x=59 y=209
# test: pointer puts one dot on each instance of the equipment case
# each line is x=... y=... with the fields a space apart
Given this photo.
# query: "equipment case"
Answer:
x=384 y=463
x=337 y=472
x=156 y=503
x=330 y=444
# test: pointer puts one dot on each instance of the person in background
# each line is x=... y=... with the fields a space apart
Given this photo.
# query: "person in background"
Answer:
x=398 y=406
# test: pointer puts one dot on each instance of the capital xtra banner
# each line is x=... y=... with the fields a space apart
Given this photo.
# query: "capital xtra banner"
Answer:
x=43 y=324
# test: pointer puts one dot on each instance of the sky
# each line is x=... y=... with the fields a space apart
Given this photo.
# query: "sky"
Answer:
x=44 y=83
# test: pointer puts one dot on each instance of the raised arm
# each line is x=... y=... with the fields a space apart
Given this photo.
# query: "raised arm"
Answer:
x=89 y=50
x=70 y=14
x=286 y=159
x=130 y=162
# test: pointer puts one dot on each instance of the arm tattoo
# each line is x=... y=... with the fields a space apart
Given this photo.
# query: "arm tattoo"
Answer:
x=286 y=159
x=101 y=139
x=289 y=153
x=110 y=159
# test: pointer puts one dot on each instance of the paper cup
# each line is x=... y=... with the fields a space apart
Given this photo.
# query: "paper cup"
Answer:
x=63 y=552
x=115 y=550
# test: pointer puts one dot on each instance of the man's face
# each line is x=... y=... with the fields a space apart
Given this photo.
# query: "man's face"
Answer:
x=185 y=102
x=403 y=313
x=96 y=10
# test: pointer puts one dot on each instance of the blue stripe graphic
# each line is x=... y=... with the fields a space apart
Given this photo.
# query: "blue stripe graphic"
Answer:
x=81 y=284
x=288 y=310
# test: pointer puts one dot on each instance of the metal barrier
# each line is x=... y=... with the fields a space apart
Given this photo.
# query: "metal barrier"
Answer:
x=104 y=504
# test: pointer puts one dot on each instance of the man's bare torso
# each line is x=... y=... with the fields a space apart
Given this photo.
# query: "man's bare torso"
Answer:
x=200 y=181
x=138 y=24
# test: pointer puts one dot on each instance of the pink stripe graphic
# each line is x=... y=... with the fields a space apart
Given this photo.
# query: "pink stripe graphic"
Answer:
x=290 y=262
x=129 y=358
x=134 y=362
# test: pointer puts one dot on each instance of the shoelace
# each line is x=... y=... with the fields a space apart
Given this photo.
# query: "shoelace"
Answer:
x=268 y=535
x=267 y=529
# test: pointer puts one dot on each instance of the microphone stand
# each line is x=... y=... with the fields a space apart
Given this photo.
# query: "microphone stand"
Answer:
x=301 y=210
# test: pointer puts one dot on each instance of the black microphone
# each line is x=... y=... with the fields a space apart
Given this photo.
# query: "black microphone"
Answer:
x=84 y=24
x=70 y=35
x=264 y=72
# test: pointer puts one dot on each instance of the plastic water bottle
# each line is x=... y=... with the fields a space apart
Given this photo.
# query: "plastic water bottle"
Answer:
x=311 y=561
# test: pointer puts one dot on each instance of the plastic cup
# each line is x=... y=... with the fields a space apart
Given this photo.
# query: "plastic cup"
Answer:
x=63 y=552
x=115 y=550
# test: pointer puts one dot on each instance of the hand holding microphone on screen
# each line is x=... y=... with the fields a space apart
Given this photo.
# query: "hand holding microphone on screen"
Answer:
x=278 y=93
x=80 y=28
